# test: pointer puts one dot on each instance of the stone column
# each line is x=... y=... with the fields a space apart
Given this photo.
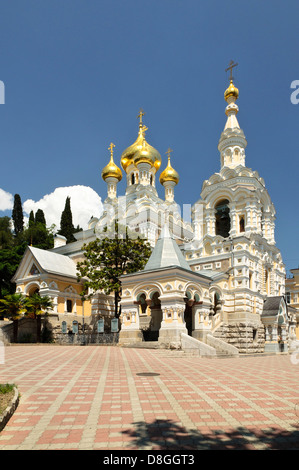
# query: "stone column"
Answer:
x=144 y=173
x=173 y=323
x=130 y=332
x=202 y=323
x=233 y=217
x=211 y=222
x=111 y=186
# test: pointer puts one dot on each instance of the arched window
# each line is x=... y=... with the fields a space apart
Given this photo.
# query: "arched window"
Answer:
x=222 y=218
x=133 y=178
x=241 y=224
x=143 y=304
x=151 y=179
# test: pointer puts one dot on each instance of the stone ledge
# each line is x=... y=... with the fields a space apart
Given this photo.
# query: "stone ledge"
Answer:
x=10 y=409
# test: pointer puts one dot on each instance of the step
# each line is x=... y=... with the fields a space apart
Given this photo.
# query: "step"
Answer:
x=144 y=345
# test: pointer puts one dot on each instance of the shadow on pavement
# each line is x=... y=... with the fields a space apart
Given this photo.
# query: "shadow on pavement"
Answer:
x=166 y=434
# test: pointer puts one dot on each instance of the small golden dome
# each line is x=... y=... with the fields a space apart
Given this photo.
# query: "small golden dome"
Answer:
x=111 y=170
x=231 y=91
x=140 y=151
x=169 y=174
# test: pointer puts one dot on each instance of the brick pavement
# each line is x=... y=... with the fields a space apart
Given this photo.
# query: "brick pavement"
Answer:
x=91 y=397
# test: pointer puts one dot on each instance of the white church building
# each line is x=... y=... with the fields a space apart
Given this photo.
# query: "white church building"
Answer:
x=216 y=284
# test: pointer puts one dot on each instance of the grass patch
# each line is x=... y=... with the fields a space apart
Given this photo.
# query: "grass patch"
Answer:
x=6 y=395
x=6 y=388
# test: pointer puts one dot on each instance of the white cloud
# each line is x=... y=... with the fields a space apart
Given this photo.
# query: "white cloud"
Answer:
x=85 y=203
x=6 y=200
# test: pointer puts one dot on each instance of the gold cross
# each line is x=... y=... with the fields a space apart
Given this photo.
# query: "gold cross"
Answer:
x=169 y=152
x=111 y=149
x=231 y=66
x=140 y=115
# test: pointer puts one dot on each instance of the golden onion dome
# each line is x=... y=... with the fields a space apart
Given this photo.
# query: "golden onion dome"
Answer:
x=111 y=170
x=128 y=154
x=147 y=154
x=140 y=151
x=232 y=90
x=169 y=174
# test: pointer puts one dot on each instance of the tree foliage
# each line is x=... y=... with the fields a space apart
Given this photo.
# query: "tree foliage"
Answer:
x=6 y=235
x=40 y=217
x=67 y=228
x=36 y=305
x=17 y=215
x=15 y=306
x=38 y=235
x=108 y=258
x=10 y=259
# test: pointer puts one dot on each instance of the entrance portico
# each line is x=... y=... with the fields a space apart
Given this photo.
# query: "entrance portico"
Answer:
x=154 y=301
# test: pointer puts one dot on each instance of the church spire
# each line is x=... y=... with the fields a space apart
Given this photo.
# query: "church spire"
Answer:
x=232 y=142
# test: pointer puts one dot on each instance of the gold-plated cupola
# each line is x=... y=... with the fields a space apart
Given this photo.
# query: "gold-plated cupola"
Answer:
x=169 y=174
x=111 y=170
x=140 y=151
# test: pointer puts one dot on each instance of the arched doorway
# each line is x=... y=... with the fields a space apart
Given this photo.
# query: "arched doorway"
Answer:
x=33 y=290
x=188 y=312
x=216 y=303
x=152 y=334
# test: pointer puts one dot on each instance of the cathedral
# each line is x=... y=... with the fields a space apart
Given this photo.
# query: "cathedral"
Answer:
x=213 y=285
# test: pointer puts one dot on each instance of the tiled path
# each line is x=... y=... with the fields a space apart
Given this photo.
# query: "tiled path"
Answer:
x=91 y=397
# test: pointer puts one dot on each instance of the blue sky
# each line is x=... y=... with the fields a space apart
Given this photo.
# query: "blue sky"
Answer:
x=76 y=73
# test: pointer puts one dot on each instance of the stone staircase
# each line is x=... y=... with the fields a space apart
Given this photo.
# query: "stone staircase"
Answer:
x=214 y=347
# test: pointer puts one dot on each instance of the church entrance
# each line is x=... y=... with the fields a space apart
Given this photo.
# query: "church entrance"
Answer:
x=188 y=318
x=152 y=333
x=189 y=302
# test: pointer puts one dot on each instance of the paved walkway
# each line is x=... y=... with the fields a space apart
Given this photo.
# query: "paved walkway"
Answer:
x=100 y=397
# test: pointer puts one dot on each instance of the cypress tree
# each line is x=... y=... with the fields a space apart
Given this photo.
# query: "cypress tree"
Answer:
x=66 y=222
x=31 y=219
x=40 y=217
x=17 y=215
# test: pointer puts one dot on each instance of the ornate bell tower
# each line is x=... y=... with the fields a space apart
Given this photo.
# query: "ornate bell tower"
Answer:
x=232 y=142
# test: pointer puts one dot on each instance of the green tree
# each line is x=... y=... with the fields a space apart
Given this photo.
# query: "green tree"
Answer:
x=66 y=222
x=31 y=219
x=17 y=215
x=10 y=259
x=37 y=234
x=13 y=306
x=36 y=306
x=6 y=236
x=108 y=258
x=40 y=217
